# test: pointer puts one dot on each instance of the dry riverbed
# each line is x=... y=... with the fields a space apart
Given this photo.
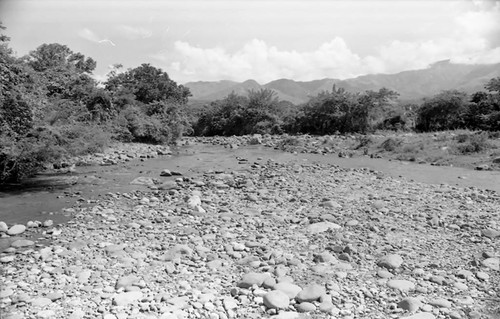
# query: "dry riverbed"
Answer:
x=263 y=235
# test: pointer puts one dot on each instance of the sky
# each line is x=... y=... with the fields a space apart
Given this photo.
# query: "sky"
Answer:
x=303 y=40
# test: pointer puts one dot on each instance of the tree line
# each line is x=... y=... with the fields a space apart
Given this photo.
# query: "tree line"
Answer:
x=52 y=108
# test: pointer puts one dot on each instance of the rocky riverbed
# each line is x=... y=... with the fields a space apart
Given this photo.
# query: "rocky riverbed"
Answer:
x=266 y=238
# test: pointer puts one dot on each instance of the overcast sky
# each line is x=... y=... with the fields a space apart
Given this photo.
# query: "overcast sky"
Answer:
x=207 y=40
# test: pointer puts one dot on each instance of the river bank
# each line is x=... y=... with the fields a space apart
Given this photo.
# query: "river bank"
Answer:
x=248 y=232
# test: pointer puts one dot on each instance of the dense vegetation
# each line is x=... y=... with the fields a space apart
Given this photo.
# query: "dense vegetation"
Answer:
x=52 y=108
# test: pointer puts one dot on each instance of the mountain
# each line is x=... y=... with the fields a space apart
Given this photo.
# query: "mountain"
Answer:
x=411 y=85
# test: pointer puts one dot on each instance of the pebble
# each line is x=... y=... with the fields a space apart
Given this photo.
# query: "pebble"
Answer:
x=492 y=263
x=401 y=285
x=305 y=307
x=410 y=304
x=125 y=298
x=392 y=261
x=310 y=293
x=276 y=299
x=16 y=230
x=253 y=278
x=290 y=289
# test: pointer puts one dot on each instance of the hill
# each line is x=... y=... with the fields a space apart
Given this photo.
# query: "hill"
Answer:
x=411 y=85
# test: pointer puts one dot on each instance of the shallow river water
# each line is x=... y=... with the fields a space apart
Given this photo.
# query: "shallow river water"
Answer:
x=48 y=194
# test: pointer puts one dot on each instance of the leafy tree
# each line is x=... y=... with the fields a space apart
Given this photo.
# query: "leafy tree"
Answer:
x=148 y=84
x=445 y=111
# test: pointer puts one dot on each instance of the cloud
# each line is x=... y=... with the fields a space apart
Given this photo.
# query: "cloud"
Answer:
x=257 y=60
x=474 y=37
x=89 y=35
x=134 y=33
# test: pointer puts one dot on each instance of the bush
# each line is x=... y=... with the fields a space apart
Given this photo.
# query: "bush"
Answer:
x=390 y=144
x=473 y=143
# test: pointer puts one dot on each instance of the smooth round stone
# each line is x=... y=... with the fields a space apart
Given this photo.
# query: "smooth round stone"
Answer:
x=126 y=281
x=322 y=227
x=46 y=314
x=305 y=307
x=125 y=298
x=16 y=230
x=4 y=293
x=401 y=285
x=460 y=286
x=22 y=243
x=291 y=290
x=3 y=227
x=41 y=302
x=276 y=299
x=311 y=293
x=7 y=259
x=382 y=273
x=392 y=261
x=421 y=315
x=253 y=278
x=410 y=304
x=440 y=303
x=492 y=263
x=482 y=275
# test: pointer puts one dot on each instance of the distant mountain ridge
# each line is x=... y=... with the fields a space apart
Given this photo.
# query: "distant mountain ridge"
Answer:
x=411 y=85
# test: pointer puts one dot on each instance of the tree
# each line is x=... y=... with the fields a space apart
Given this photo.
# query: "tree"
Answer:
x=148 y=84
x=444 y=111
x=59 y=57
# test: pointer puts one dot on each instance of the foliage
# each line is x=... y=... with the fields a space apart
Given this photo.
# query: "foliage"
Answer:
x=445 y=111
x=472 y=143
x=259 y=113
x=51 y=107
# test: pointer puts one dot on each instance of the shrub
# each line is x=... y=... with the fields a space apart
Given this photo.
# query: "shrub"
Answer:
x=390 y=144
x=473 y=143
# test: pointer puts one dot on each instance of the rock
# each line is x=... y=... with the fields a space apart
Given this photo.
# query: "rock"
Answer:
x=276 y=299
x=401 y=285
x=311 y=293
x=440 y=303
x=125 y=298
x=492 y=263
x=330 y=204
x=287 y=315
x=490 y=233
x=7 y=259
x=46 y=314
x=142 y=180
x=3 y=227
x=392 y=261
x=22 y=243
x=53 y=296
x=305 y=307
x=325 y=257
x=166 y=172
x=291 y=290
x=168 y=185
x=77 y=314
x=48 y=223
x=16 y=230
x=253 y=278
x=126 y=281
x=410 y=304
x=41 y=302
x=420 y=315
x=322 y=227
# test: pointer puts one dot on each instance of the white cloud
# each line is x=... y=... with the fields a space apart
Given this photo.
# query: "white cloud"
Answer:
x=259 y=61
x=474 y=37
x=134 y=33
x=91 y=36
